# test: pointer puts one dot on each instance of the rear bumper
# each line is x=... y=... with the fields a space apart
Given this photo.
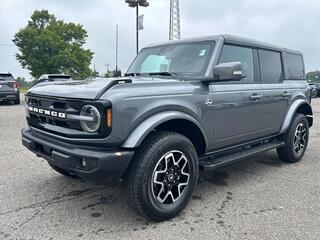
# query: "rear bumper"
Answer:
x=102 y=166
x=9 y=96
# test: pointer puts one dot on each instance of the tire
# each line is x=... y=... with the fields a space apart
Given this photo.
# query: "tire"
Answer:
x=297 y=133
x=314 y=94
x=148 y=185
x=17 y=101
x=61 y=171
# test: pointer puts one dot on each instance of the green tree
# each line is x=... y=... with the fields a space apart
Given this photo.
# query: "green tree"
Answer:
x=49 y=45
x=23 y=83
x=313 y=75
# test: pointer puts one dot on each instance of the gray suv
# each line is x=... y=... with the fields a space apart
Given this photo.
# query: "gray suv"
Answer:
x=183 y=106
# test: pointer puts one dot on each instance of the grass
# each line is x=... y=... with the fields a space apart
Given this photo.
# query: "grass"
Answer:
x=24 y=90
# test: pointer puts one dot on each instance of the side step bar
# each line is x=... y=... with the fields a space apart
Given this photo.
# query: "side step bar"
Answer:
x=211 y=162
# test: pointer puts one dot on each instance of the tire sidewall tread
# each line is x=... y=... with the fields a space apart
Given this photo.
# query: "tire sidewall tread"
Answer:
x=138 y=178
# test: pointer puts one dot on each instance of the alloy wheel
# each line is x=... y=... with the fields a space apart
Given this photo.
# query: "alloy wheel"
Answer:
x=299 y=141
x=170 y=177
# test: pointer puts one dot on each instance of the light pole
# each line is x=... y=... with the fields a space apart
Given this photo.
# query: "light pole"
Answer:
x=136 y=4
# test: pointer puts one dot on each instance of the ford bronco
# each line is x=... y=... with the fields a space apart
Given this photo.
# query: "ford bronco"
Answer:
x=183 y=106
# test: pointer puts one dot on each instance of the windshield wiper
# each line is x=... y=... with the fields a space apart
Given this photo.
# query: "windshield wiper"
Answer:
x=133 y=74
x=163 y=74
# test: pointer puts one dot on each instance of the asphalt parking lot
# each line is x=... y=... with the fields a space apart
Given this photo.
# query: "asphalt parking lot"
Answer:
x=258 y=198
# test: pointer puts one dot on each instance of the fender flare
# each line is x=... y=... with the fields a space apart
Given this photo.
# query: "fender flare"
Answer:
x=139 y=133
x=290 y=114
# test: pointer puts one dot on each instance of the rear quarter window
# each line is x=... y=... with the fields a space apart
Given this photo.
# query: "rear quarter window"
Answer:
x=294 y=66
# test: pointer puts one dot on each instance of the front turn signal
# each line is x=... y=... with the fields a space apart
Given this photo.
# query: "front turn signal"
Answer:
x=109 y=118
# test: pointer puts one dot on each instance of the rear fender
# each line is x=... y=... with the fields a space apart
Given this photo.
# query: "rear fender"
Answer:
x=293 y=110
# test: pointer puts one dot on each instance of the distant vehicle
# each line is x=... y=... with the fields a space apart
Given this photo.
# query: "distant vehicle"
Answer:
x=49 y=79
x=9 y=88
x=317 y=84
x=314 y=90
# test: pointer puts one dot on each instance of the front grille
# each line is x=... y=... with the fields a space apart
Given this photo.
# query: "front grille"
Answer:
x=61 y=126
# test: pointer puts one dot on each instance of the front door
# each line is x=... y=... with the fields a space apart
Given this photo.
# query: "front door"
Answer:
x=235 y=106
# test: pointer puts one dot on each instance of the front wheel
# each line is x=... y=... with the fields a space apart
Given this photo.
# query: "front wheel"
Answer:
x=296 y=140
x=163 y=175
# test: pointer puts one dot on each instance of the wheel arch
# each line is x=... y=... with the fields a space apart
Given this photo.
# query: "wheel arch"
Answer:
x=299 y=106
x=169 y=121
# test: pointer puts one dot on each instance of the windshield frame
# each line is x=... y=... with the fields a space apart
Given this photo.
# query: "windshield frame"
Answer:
x=178 y=75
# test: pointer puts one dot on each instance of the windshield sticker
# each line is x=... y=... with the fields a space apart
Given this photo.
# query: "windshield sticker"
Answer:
x=202 y=52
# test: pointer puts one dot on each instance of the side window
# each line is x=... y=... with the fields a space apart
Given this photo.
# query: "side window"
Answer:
x=270 y=66
x=239 y=54
x=294 y=66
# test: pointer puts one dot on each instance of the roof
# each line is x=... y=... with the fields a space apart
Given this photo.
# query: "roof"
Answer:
x=232 y=39
x=5 y=75
x=47 y=76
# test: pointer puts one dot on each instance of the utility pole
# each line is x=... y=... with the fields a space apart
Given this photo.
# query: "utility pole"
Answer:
x=137 y=28
x=117 y=45
x=174 y=22
x=136 y=4
x=107 y=65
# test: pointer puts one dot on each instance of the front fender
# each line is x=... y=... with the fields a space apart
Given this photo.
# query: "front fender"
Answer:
x=138 y=135
x=290 y=114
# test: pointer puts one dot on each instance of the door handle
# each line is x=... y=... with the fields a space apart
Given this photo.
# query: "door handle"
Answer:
x=286 y=94
x=255 y=97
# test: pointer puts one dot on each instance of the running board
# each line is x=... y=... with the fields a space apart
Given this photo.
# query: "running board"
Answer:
x=211 y=162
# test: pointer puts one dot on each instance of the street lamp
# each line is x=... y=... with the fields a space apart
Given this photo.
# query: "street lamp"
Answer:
x=136 y=4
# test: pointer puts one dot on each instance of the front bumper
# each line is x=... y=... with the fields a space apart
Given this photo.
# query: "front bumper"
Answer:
x=102 y=166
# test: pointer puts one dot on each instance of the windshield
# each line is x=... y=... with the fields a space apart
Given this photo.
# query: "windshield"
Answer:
x=185 y=60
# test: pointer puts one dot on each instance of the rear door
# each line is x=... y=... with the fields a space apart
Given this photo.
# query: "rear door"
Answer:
x=276 y=94
x=236 y=108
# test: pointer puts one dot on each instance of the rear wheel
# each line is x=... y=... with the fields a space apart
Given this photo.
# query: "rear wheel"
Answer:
x=163 y=175
x=17 y=101
x=314 y=94
x=296 y=140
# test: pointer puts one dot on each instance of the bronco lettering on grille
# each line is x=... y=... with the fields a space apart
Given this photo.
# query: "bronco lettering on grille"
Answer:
x=47 y=112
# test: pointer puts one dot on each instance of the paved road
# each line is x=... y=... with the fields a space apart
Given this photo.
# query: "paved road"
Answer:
x=259 y=198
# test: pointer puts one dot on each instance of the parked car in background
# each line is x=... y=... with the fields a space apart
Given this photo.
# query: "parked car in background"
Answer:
x=314 y=90
x=317 y=84
x=49 y=79
x=9 y=88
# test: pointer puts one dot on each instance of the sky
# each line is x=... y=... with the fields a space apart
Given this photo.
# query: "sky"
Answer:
x=288 y=23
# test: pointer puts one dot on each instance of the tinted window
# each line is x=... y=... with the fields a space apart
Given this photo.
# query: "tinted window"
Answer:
x=270 y=66
x=239 y=54
x=294 y=66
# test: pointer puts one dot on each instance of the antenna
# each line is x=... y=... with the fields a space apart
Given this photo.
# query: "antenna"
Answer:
x=174 y=28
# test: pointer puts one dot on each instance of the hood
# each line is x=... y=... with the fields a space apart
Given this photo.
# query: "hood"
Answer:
x=87 y=89
x=84 y=89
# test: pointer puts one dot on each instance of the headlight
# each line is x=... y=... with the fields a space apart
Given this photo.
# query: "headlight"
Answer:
x=93 y=122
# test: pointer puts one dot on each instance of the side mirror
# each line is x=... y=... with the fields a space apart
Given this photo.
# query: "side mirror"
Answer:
x=231 y=71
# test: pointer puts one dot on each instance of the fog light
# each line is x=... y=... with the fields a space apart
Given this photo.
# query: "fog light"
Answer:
x=83 y=162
